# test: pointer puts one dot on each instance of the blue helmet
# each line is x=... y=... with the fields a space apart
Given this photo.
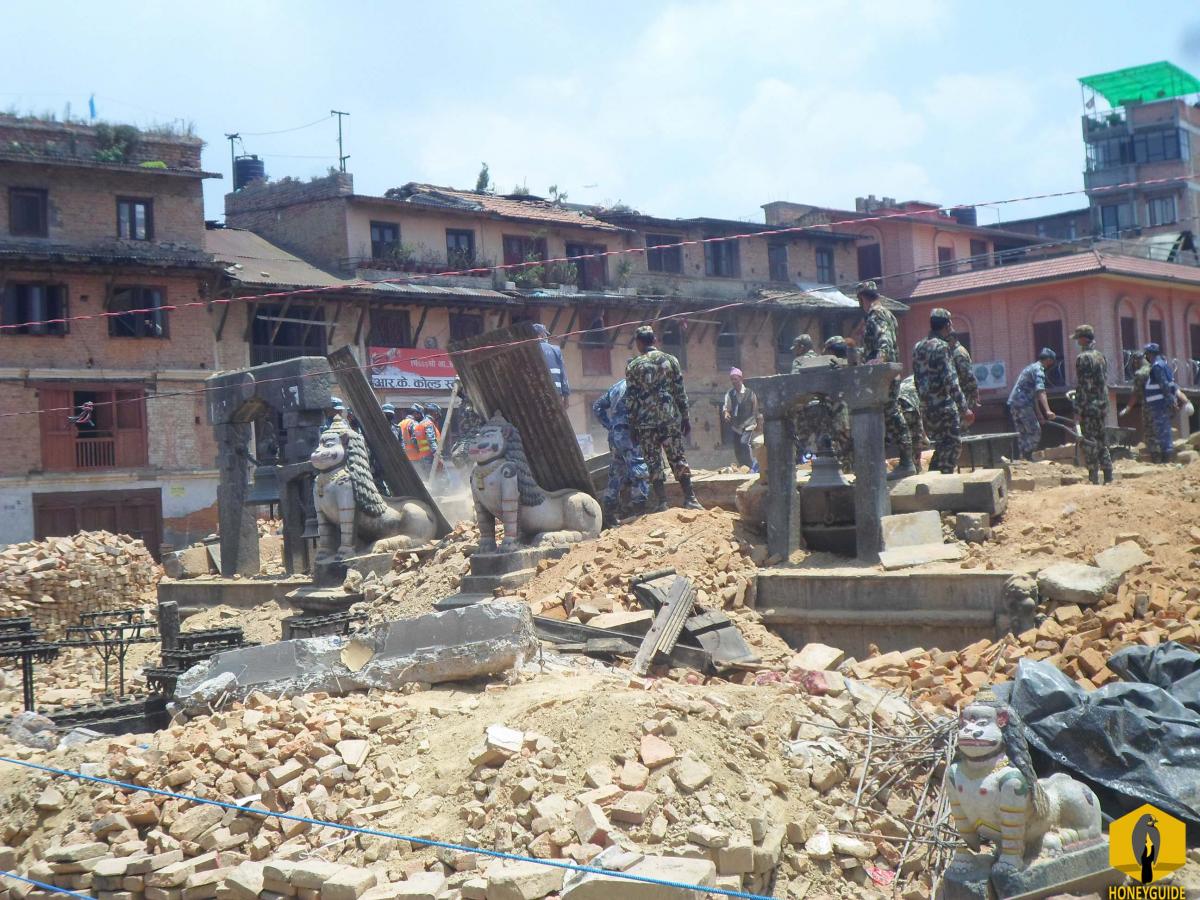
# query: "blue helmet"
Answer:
x=388 y=408
x=1152 y=348
x=336 y=403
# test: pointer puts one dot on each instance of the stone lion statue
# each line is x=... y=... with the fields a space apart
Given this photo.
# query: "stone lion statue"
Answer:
x=352 y=516
x=503 y=488
x=996 y=796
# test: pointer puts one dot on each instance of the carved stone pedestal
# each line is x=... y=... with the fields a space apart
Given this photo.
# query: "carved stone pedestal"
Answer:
x=1080 y=871
x=498 y=571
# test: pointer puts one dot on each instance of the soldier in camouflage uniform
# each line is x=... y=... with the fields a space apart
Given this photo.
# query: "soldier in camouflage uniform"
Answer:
x=658 y=416
x=1137 y=397
x=943 y=407
x=626 y=469
x=910 y=408
x=965 y=368
x=802 y=348
x=1091 y=403
x=880 y=346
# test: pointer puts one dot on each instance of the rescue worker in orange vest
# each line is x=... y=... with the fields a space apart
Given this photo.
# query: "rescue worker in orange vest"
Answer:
x=408 y=437
x=428 y=436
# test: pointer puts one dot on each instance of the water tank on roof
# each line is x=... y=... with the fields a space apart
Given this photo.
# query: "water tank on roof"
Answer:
x=247 y=169
x=965 y=215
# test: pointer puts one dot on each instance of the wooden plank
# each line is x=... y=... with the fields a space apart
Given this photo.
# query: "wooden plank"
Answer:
x=680 y=597
x=491 y=366
x=398 y=472
x=362 y=316
x=570 y=325
x=220 y=319
x=420 y=327
x=287 y=304
x=337 y=314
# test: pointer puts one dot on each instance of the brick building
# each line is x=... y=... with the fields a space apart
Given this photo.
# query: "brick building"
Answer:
x=770 y=283
x=100 y=220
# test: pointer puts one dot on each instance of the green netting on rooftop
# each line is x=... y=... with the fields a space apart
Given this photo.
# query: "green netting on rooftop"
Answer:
x=1141 y=84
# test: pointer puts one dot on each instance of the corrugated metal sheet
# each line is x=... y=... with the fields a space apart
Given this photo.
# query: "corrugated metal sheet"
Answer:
x=503 y=371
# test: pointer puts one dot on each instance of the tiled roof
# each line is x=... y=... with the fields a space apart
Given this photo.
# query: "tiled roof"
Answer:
x=253 y=260
x=130 y=252
x=471 y=201
x=1086 y=263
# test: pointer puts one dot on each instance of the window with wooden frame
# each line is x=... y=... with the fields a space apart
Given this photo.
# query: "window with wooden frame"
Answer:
x=385 y=239
x=142 y=312
x=1129 y=344
x=945 y=260
x=519 y=248
x=1158 y=334
x=390 y=328
x=979 y=254
x=111 y=434
x=591 y=272
x=729 y=351
x=135 y=219
x=460 y=248
x=826 y=273
x=287 y=331
x=27 y=212
x=596 y=347
x=777 y=260
x=465 y=325
x=721 y=259
x=870 y=262
x=668 y=260
x=674 y=340
x=32 y=309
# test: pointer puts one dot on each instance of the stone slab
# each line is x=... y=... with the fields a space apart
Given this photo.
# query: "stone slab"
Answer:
x=713 y=490
x=483 y=639
x=702 y=872
x=911 y=529
x=1081 y=871
x=316 y=601
x=852 y=606
x=984 y=490
x=1076 y=583
x=1121 y=558
x=918 y=555
x=459 y=600
x=503 y=563
x=486 y=584
x=195 y=595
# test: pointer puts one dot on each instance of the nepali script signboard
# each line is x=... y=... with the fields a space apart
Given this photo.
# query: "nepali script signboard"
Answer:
x=411 y=368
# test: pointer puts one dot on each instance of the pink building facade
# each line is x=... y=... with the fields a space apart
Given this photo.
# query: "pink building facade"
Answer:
x=1007 y=314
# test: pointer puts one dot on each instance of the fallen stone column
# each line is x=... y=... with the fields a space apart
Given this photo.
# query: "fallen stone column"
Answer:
x=456 y=645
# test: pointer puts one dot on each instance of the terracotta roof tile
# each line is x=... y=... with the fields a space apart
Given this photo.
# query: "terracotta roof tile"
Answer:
x=534 y=210
x=1086 y=263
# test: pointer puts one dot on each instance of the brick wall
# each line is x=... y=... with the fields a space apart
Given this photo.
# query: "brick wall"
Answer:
x=304 y=218
x=82 y=203
x=79 y=141
x=189 y=344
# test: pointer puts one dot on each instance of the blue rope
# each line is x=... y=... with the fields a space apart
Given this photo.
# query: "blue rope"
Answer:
x=46 y=887
x=371 y=832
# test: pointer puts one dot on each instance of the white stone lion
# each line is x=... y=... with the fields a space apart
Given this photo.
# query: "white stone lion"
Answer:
x=352 y=516
x=504 y=489
x=996 y=796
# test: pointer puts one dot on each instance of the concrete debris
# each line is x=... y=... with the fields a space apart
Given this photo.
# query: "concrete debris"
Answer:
x=1076 y=583
x=29 y=729
x=55 y=580
x=485 y=639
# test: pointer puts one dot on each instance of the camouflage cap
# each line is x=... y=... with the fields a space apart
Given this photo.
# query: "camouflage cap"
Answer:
x=644 y=333
x=802 y=340
x=1084 y=331
x=1047 y=353
x=940 y=315
x=868 y=289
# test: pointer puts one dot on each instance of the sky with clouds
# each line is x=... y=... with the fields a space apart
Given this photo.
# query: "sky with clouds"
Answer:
x=675 y=108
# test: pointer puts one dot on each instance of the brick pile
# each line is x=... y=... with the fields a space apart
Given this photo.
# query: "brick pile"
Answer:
x=54 y=580
x=724 y=785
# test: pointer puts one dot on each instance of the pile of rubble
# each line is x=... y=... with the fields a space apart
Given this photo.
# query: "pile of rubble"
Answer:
x=759 y=788
x=55 y=580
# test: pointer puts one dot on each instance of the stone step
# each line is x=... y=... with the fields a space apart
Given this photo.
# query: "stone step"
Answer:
x=486 y=584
